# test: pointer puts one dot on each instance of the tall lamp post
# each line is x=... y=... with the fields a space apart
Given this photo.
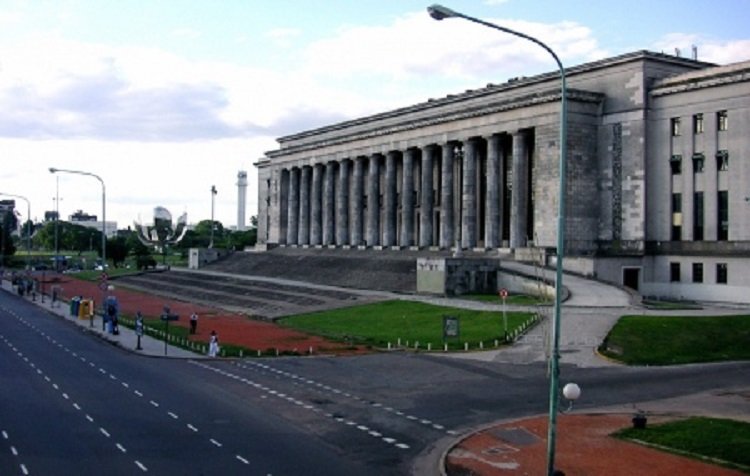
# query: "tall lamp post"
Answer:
x=439 y=12
x=104 y=208
x=213 y=196
x=28 y=225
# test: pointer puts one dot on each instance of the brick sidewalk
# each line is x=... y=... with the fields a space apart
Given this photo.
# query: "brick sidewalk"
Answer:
x=584 y=448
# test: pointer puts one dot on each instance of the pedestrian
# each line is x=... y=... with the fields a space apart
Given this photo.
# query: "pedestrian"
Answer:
x=193 y=323
x=213 y=345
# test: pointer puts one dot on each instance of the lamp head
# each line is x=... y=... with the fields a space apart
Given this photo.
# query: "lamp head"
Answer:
x=571 y=391
x=439 y=12
x=52 y=170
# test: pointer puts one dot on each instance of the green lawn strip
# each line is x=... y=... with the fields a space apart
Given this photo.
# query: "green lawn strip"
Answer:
x=511 y=300
x=672 y=340
x=386 y=322
x=726 y=442
x=670 y=305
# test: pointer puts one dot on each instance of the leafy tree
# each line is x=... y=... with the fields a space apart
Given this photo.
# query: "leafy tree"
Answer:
x=9 y=224
x=117 y=250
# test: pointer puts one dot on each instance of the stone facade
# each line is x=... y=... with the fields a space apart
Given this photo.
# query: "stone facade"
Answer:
x=480 y=171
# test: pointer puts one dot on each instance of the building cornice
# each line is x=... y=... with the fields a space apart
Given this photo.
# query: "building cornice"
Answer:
x=720 y=76
x=494 y=106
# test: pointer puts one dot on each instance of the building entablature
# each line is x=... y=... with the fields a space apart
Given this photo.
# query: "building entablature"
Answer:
x=407 y=123
x=719 y=76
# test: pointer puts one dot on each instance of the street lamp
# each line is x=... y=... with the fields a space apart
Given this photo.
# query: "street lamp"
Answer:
x=28 y=225
x=104 y=209
x=439 y=12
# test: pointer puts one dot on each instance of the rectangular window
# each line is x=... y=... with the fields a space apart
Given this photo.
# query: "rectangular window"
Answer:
x=698 y=216
x=675 y=164
x=697 y=272
x=674 y=272
x=723 y=212
x=675 y=126
x=721 y=273
x=722 y=160
x=698 y=124
x=699 y=162
x=722 y=120
x=676 y=216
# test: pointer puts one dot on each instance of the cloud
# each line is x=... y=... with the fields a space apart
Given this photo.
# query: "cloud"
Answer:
x=709 y=49
x=283 y=37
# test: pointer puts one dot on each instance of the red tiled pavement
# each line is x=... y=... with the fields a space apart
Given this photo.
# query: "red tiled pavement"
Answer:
x=583 y=448
x=231 y=328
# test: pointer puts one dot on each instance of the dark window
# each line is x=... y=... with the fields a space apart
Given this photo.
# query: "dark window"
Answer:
x=674 y=272
x=699 y=162
x=721 y=273
x=676 y=216
x=675 y=164
x=723 y=120
x=675 y=125
x=698 y=216
x=722 y=160
x=723 y=211
x=697 y=272
x=698 y=124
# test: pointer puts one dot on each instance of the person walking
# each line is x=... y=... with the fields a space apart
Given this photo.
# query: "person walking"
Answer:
x=213 y=345
x=193 y=323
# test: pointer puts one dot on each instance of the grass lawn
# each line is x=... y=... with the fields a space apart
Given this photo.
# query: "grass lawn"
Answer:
x=378 y=324
x=670 y=340
x=511 y=300
x=725 y=440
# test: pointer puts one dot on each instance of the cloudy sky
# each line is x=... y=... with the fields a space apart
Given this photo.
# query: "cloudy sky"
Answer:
x=163 y=99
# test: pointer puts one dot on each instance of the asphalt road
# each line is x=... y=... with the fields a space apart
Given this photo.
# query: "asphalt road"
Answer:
x=73 y=404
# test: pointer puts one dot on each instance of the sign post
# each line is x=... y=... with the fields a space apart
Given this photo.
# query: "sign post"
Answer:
x=167 y=316
x=504 y=295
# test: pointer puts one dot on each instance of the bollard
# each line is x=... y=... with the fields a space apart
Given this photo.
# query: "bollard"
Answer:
x=258 y=352
x=445 y=347
x=466 y=346
x=240 y=353
x=429 y=347
x=496 y=343
x=389 y=346
x=310 y=351
x=481 y=345
x=399 y=342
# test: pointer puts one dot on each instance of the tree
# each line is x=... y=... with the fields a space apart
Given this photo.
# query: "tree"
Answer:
x=9 y=224
x=117 y=250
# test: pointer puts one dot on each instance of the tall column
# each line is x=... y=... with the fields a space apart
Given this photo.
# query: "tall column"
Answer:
x=293 y=214
x=447 y=231
x=520 y=195
x=469 y=196
x=373 y=201
x=329 y=219
x=303 y=236
x=389 y=235
x=357 y=199
x=316 y=206
x=493 y=186
x=426 y=194
x=342 y=204
x=407 y=199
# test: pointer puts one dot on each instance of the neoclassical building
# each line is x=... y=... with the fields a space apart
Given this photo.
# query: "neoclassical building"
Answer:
x=657 y=188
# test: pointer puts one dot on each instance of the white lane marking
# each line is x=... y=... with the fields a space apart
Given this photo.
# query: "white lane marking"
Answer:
x=402 y=446
x=104 y=432
x=154 y=403
x=125 y=384
x=54 y=385
x=215 y=443
x=76 y=406
x=140 y=465
x=88 y=417
x=192 y=427
x=65 y=396
x=121 y=448
x=23 y=469
x=173 y=415
x=14 y=451
x=242 y=459
x=5 y=434
x=138 y=393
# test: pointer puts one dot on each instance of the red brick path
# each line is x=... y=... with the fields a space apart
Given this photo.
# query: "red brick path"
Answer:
x=231 y=328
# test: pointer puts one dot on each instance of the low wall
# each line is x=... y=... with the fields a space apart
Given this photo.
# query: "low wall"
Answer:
x=199 y=257
x=456 y=276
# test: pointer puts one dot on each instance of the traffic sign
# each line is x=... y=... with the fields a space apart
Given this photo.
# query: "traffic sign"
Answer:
x=503 y=293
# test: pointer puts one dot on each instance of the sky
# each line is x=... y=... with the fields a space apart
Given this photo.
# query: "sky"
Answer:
x=165 y=99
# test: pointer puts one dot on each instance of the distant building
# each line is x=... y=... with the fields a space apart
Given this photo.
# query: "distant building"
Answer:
x=658 y=176
x=90 y=221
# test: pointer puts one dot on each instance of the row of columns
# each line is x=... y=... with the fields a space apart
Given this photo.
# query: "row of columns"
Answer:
x=320 y=210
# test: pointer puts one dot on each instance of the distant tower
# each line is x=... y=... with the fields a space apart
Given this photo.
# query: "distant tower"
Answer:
x=241 y=199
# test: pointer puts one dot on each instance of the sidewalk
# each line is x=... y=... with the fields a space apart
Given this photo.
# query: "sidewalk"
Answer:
x=126 y=339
